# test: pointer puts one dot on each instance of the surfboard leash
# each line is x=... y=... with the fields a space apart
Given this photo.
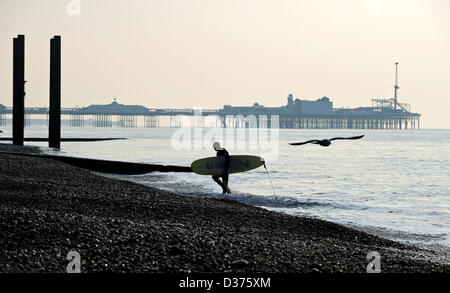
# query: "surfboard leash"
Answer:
x=267 y=172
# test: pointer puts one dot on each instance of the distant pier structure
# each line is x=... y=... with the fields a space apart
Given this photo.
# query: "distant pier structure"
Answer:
x=296 y=114
x=320 y=114
x=102 y=115
x=2 y=115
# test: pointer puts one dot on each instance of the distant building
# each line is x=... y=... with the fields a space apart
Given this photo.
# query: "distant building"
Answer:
x=293 y=107
x=320 y=106
x=2 y=108
x=290 y=103
x=115 y=107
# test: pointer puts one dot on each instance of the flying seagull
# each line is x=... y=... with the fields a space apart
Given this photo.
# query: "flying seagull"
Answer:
x=325 y=142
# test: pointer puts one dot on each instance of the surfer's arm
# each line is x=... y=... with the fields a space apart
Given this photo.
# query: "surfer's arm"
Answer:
x=227 y=162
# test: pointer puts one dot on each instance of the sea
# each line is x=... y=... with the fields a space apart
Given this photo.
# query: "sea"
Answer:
x=392 y=183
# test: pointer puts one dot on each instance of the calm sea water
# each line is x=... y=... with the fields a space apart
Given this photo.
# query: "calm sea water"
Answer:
x=395 y=184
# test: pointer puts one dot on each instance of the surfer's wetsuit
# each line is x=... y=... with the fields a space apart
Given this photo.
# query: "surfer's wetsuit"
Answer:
x=224 y=184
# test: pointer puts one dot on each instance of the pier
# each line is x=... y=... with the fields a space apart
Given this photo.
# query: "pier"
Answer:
x=2 y=115
x=295 y=115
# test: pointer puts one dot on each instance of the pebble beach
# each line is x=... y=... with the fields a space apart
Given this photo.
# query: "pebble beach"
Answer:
x=49 y=208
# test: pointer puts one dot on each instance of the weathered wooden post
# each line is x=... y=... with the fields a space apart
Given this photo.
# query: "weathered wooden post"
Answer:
x=18 y=89
x=54 y=125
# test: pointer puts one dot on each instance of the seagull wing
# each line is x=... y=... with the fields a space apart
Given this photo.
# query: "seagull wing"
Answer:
x=353 y=137
x=305 y=142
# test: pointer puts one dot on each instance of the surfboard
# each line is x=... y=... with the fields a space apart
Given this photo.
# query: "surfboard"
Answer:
x=216 y=165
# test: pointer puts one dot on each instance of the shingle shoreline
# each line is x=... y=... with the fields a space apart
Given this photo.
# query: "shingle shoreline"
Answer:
x=48 y=208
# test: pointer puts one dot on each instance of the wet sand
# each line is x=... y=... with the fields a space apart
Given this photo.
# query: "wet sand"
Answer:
x=48 y=208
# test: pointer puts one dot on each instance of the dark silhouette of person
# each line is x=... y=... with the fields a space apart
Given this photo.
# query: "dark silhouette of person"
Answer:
x=221 y=152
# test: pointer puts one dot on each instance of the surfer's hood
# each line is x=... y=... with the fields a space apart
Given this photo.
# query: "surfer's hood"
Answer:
x=217 y=146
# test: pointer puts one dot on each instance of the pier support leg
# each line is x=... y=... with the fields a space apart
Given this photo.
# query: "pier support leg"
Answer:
x=54 y=128
x=18 y=89
x=151 y=121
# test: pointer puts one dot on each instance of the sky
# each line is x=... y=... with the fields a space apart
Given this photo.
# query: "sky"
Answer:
x=208 y=53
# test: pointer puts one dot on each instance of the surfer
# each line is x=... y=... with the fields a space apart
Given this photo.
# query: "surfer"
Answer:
x=224 y=183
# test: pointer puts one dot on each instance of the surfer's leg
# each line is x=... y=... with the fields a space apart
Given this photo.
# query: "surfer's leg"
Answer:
x=216 y=178
x=225 y=184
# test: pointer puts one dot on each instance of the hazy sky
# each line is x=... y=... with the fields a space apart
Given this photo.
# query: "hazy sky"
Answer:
x=207 y=53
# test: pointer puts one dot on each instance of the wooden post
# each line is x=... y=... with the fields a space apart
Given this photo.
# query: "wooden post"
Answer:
x=18 y=89
x=54 y=128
